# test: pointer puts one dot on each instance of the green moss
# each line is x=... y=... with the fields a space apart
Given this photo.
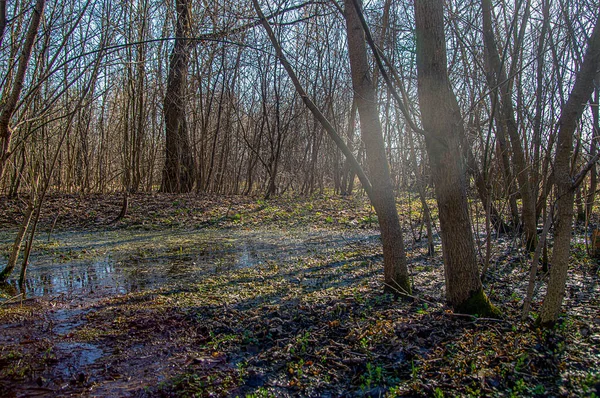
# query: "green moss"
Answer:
x=89 y=334
x=478 y=304
x=399 y=287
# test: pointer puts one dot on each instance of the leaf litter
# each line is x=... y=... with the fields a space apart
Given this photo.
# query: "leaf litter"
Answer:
x=314 y=324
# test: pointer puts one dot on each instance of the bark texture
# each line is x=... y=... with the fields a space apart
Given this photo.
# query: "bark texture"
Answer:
x=565 y=188
x=441 y=119
x=383 y=200
x=179 y=171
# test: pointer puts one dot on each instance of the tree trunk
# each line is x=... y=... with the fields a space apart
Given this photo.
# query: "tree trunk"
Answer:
x=441 y=118
x=2 y=20
x=16 y=248
x=570 y=115
x=419 y=177
x=10 y=104
x=347 y=173
x=338 y=141
x=536 y=176
x=505 y=121
x=394 y=256
x=179 y=170
x=591 y=196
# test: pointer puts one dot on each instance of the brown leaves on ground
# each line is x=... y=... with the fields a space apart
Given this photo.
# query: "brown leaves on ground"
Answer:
x=160 y=210
x=316 y=327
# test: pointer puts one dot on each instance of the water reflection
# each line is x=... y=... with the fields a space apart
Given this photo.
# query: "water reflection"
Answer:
x=120 y=262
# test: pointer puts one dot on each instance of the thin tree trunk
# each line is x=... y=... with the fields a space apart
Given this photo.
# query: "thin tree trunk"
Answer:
x=347 y=173
x=421 y=189
x=384 y=202
x=2 y=20
x=505 y=119
x=16 y=248
x=539 y=104
x=534 y=265
x=565 y=189
x=591 y=196
x=10 y=105
x=509 y=182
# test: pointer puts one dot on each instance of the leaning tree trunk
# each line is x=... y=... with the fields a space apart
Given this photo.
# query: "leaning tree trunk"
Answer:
x=565 y=187
x=324 y=122
x=442 y=121
x=9 y=105
x=394 y=256
x=591 y=196
x=16 y=248
x=179 y=170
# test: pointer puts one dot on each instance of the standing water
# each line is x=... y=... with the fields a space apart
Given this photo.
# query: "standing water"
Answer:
x=123 y=261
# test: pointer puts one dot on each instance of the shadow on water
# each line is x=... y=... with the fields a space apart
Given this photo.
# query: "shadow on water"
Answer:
x=118 y=262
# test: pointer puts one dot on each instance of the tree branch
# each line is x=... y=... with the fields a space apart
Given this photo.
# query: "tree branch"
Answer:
x=311 y=105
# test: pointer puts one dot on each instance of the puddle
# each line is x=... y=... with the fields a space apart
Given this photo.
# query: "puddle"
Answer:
x=75 y=357
x=117 y=262
x=65 y=320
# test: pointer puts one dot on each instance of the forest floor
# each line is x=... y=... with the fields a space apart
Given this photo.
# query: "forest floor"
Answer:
x=317 y=325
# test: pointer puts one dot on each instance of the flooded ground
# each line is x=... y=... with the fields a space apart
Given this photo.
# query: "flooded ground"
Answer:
x=119 y=262
x=75 y=274
x=238 y=297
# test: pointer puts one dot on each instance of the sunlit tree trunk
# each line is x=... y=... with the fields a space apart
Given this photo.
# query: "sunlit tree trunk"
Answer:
x=442 y=121
x=394 y=256
x=565 y=189
x=10 y=104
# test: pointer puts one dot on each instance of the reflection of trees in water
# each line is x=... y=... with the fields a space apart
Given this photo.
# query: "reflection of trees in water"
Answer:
x=45 y=282
x=91 y=280
x=47 y=278
x=136 y=278
x=174 y=261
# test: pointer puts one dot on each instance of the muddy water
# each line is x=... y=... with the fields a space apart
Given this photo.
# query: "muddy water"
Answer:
x=116 y=262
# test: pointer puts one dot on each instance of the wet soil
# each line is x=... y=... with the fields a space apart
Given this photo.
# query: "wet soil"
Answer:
x=276 y=298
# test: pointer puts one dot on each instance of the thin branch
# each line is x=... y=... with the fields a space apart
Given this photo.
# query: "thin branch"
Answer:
x=581 y=175
x=378 y=54
x=534 y=264
x=333 y=134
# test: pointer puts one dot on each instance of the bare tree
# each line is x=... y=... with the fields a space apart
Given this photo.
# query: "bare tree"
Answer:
x=442 y=120
x=179 y=171
x=10 y=104
x=504 y=114
x=566 y=182
x=394 y=256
